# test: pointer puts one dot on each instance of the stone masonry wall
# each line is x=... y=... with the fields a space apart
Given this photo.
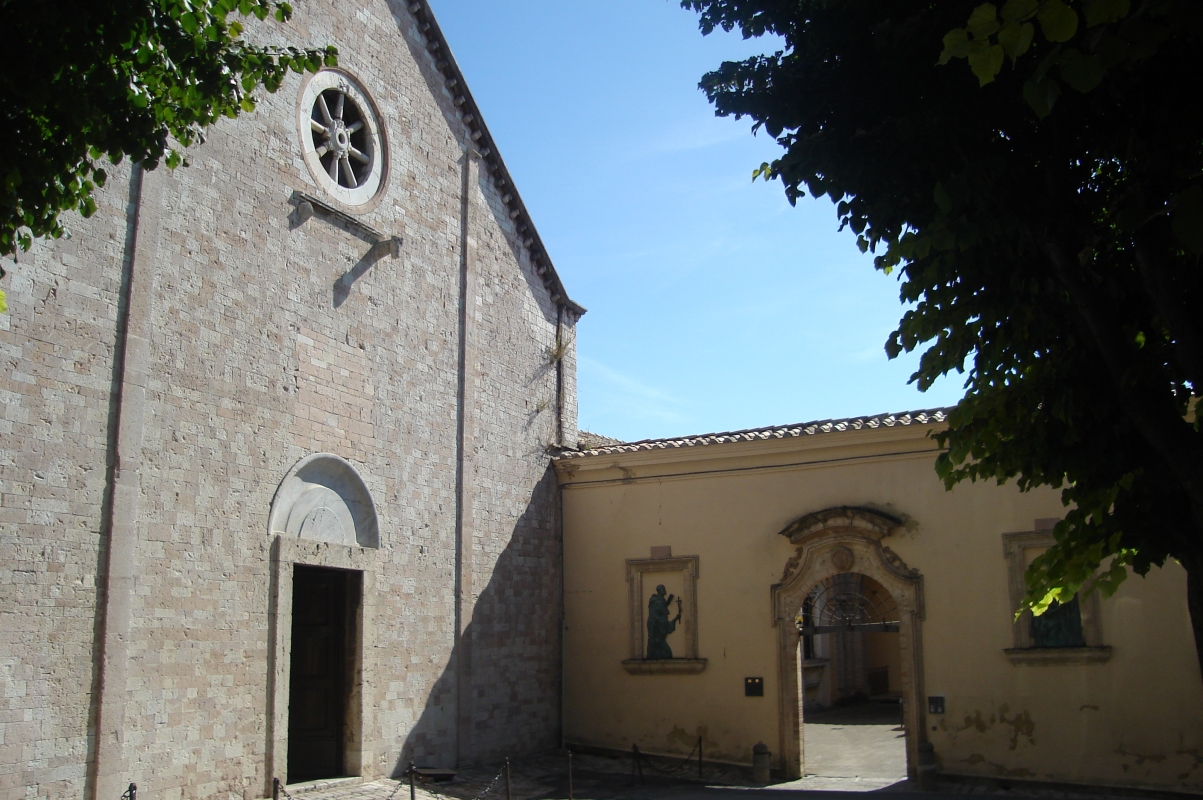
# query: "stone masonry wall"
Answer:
x=271 y=339
x=56 y=375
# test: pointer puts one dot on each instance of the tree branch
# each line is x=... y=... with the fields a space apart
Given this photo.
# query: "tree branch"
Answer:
x=1188 y=343
x=1153 y=416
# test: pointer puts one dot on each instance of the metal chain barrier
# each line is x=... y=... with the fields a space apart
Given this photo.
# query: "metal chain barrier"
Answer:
x=480 y=796
x=396 y=789
x=280 y=793
x=131 y=793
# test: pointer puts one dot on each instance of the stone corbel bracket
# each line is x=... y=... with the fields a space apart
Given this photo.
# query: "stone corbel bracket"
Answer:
x=308 y=206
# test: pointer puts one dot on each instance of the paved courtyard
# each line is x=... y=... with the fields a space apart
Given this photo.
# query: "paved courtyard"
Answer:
x=856 y=749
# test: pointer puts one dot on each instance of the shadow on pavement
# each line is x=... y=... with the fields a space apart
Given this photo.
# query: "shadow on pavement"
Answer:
x=869 y=712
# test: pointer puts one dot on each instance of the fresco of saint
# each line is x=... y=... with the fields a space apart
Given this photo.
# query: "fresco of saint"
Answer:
x=659 y=626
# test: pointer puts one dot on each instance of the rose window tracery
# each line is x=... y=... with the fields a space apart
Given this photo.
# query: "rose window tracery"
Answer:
x=336 y=126
x=341 y=137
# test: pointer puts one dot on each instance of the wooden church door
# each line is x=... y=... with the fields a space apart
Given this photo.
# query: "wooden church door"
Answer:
x=318 y=691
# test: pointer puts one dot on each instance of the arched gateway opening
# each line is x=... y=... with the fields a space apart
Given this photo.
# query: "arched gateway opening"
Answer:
x=851 y=687
x=846 y=595
x=848 y=623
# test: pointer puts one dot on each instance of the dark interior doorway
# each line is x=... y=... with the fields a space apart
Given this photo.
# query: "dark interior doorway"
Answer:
x=323 y=647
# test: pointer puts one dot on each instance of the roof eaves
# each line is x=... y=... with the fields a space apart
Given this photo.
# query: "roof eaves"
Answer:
x=923 y=417
x=482 y=140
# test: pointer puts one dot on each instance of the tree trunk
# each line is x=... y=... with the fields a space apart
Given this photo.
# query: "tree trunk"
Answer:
x=1194 y=602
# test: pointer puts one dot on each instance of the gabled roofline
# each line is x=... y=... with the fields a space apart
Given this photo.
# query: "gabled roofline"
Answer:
x=482 y=140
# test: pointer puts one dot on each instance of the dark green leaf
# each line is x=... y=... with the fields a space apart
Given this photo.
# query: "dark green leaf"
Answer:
x=983 y=22
x=1080 y=71
x=956 y=45
x=1058 y=22
x=986 y=62
x=1019 y=10
x=1187 y=219
x=1016 y=38
x=1041 y=95
x=1101 y=12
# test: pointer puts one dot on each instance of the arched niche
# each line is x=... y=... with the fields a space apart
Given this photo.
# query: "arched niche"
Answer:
x=324 y=499
x=829 y=543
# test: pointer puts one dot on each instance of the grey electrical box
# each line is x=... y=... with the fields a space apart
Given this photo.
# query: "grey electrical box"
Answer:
x=935 y=705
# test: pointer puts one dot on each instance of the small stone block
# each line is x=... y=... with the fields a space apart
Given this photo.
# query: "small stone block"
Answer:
x=663 y=551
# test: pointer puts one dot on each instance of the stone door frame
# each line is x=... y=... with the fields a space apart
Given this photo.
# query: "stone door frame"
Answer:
x=828 y=543
x=287 y=552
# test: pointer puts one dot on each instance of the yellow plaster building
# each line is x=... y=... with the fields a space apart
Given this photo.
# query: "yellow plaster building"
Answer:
x=842 y=531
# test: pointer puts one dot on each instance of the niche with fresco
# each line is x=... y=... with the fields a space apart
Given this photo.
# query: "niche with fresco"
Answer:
x=663 y=615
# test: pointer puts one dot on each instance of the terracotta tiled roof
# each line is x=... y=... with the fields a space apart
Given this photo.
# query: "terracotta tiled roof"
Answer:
x=591 y=441
x=777 y=432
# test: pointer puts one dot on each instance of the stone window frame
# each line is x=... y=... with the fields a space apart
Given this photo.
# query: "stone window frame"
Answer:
x=364 y=198
x=690 y=663
x=1015 y=547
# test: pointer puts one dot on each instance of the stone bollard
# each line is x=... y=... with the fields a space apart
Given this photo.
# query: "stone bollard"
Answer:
x=927 y=766
x=761 y=757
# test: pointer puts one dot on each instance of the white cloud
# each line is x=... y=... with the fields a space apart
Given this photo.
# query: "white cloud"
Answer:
x=615 y=394
x=875 y=353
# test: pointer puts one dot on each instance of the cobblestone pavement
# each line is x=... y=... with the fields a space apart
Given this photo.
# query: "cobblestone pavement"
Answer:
x=853 y=749
x=545 y=777
x=542 y=777
x=862 y=744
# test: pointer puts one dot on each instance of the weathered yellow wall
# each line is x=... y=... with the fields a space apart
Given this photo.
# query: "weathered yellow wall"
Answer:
x=881 y=650
x=1135 y=720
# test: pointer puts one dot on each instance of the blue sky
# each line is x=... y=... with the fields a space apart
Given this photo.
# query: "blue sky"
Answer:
x=713 y=304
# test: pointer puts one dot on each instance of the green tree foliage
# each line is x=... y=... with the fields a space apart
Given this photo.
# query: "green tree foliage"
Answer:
x=87 y=81
x=1045 y=209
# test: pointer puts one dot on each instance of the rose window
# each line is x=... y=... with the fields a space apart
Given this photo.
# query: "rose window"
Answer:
x=341 y=137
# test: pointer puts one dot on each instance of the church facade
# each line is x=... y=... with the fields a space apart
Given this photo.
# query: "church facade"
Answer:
x=291 y=488
x=275 y=497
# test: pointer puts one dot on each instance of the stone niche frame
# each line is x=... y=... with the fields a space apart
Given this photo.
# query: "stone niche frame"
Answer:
x=1022 y=651
x=690 y=664
x=824 y=541
x=329 y=480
